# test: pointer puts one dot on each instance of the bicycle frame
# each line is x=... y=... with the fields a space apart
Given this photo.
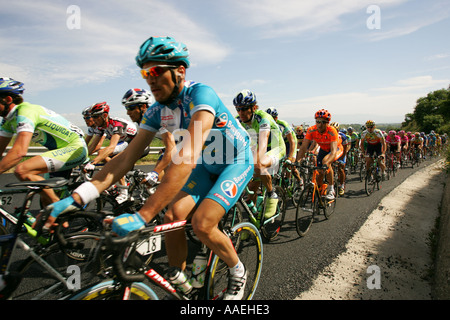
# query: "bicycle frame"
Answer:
x=129 y=244
x=10 y=241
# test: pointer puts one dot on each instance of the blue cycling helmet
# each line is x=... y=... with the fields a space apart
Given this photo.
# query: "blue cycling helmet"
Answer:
x=163 y=49
x=245 y=98
x=273 y=112
x=8 y=85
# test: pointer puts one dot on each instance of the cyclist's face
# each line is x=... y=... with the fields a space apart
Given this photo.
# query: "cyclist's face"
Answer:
x=135 y=113
x=162 y=86
x=99 y=120
x=245 y=113
x=89 y=121
x=322 y=124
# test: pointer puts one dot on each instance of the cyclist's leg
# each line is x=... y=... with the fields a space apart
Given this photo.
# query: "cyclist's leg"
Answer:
x=175 y=241
x=51 y=161
x=220 y=198
x=30 y=170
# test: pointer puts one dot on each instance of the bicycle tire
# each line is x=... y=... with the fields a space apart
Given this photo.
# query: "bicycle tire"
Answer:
x=80 y=253
x=305 y=212
x=369 y=183
x=330 y=205
x=111 y=290
x=250 y=253
x=271 y=227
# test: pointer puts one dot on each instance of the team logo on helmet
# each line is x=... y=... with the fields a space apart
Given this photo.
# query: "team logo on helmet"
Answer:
x=229 y=188
x=222 y=120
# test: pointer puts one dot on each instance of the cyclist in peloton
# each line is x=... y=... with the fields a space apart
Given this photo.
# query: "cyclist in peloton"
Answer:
x=330 y=150
x=395 y=145
x=290 y=140
x=65 y=142
x=119 y=132
x=373 y=142
x=267 y=145
x=404 y=141
x=342 y=160
x=86 y=113
x=199 y=181
x=136 y=102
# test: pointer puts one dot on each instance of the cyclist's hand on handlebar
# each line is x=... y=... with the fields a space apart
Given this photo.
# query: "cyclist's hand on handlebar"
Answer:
x=62 y=206
x=151 y=178
x=126 y=223
x=89 y=167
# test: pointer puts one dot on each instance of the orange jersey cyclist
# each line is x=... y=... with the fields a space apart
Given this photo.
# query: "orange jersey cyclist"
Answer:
x=330 y=145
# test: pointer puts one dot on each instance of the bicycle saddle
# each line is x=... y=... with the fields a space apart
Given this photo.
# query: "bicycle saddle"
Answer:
x=50 y=183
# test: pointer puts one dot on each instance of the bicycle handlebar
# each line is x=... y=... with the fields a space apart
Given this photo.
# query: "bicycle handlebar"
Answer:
x=117 y=246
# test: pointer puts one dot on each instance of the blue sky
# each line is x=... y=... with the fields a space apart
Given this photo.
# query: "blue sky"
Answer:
x=297 y=56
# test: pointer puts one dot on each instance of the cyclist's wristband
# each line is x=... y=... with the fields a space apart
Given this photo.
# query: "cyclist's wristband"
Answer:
x=87 y=192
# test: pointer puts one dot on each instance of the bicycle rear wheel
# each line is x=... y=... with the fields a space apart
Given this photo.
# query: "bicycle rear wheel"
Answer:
x=250 y=252
x=111 y=290
x=270 y=227
x=305 y=212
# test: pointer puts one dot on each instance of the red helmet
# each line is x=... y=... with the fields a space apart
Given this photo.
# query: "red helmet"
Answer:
x=323 y=114
x=99 y=108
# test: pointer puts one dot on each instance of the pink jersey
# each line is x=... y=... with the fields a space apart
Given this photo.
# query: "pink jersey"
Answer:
x=404 y=139
x=393 y=140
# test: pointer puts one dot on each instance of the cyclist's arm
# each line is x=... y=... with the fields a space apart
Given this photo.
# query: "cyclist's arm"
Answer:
x=169 y=145
x=93 y=146
x=107 y=151
x=383 y=146
x=302 y=151
x=263 y=141
x=181 y=167
x=17 y=152
x=4 y=141
x=293 y=147
x=361 y=146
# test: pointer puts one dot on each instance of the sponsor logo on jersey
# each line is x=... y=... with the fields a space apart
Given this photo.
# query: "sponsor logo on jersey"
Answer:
x=222 y=120
x=229 y=188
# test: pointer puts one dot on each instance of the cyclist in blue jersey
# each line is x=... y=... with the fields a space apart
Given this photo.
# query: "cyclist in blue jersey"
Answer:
x=208 y=172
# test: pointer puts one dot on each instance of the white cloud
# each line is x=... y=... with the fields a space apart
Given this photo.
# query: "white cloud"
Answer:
x=292 y=17
x=47 y=55
x=380 y=104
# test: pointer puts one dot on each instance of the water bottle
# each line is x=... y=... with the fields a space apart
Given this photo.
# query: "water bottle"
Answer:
x=199 y=270
x=251 y=206
x=179 y=279
x=30 y=219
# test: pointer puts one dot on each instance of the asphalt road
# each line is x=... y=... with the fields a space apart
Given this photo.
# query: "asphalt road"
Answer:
x=291 y=262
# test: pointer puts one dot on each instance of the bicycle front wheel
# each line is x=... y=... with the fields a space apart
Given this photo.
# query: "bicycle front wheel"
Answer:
x=305 y=212
x=41 y=283
x=370 y=183
x=250 y=253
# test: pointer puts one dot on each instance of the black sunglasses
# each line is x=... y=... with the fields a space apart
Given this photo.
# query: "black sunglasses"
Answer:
x=242 y=108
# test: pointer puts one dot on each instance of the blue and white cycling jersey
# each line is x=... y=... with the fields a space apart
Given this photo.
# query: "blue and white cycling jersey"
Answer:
x=226 y=164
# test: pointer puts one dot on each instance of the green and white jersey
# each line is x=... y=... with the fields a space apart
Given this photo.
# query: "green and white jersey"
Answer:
x=49 y=129
x=263 y=121
x=285 y=130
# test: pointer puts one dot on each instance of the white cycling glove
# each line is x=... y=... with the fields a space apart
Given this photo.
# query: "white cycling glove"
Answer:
x=152 y=178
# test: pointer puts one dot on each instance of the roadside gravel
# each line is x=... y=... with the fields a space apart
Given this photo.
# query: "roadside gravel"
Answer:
x=389 y=258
